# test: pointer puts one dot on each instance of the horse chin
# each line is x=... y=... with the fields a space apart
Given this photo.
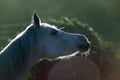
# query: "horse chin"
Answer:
x=85 y=52
x=80 y=52
x=69 y=56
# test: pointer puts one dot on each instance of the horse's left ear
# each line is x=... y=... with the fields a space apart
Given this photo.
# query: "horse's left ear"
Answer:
x=36 y=20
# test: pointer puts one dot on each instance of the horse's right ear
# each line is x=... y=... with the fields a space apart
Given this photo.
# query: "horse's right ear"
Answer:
x=36 y=20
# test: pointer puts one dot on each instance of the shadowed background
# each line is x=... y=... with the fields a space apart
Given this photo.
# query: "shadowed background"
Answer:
x=103 y=15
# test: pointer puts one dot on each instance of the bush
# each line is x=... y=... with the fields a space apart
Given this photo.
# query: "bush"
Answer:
x=101 y=52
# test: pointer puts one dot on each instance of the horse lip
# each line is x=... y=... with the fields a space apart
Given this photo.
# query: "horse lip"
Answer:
x=83 y=50
x=84 y=47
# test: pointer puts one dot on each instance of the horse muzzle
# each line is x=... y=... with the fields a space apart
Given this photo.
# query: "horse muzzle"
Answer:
x=84 y=47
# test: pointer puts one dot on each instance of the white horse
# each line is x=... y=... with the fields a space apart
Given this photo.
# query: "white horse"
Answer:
x=37 y=41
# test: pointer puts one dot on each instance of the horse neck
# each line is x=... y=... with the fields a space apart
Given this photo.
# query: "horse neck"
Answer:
x=19 y=53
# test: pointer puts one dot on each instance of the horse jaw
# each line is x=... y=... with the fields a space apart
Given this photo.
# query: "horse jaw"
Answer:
x=85 y=54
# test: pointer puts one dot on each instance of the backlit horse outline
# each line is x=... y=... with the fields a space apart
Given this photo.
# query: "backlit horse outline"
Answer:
x=37 y=41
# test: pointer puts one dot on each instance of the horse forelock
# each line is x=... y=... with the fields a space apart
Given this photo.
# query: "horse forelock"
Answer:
x=48 y=25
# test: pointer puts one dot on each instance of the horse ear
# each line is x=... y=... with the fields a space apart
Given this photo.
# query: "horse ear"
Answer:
x=36 y=20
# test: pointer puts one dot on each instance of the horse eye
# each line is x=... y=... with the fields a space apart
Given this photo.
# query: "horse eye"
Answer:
x=54 y=32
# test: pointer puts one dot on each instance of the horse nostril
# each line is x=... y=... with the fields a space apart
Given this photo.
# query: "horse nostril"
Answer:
x=84 y=47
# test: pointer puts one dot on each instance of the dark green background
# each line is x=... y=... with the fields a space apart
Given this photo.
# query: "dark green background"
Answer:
x=103 y=15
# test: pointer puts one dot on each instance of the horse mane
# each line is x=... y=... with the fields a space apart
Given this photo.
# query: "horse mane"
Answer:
x=13 y=56
x=46 y=25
